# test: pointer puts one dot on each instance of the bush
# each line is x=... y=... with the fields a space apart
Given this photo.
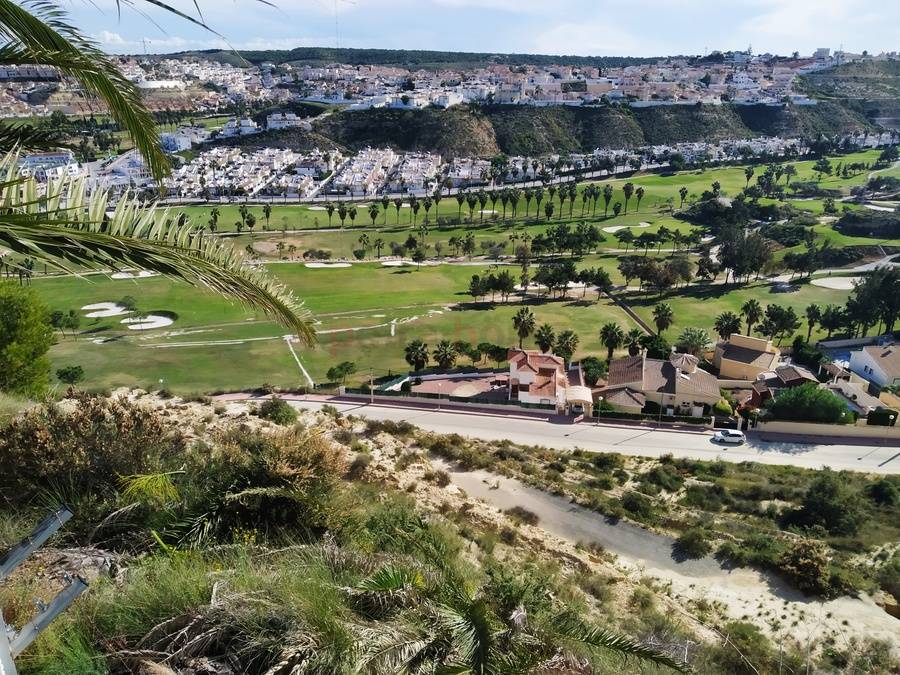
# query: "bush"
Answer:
x=608 y=461
x=693 y=543
x=805 y=565
x=638 y=505
x=522 y=515
x=831 y=504
x=70 y=374
x=884 y=492
x=81 y=447
x=278 y=411
x=707 y=497
x=809 y=403
x=665 y=477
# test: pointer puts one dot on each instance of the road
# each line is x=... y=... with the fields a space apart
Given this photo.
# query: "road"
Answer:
x=636 y=441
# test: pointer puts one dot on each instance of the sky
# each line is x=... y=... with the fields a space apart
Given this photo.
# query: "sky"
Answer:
x=582 y=27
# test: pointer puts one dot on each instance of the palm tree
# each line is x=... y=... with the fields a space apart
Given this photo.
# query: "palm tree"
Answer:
x=385 y=203
x=329 y=209
x=682 y=194
x=267 y=212
x=694 y=341
x=751 y=311
x=789 y=172
x=662 y=317
x=628 y=190
x=524 y=323
x=639 y=194
x=607 y=198
x=565 y=345
x=373 y=213
x=378 y=244
x=448 y=622
x=612 y=336
x=445 y=355
x=398 y=204
x=726 y=324
x=748 y=174
x=813 y=316
x=633 y=341
x=544 y=337
x=416 y=354
x=342 y=214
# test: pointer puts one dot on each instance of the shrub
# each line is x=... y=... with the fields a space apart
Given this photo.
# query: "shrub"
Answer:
x=884 y=492
x=522 y=515
x=81 y=446
x=663 y=476
x=441 y=478
x=707 y=497
x=831 y=504
x=608 y=461
x=638 y=505
x=70 y=374
x=805 y=565
x=278 y=411
x=693 y=543
x=359 y=465
x=809 y=403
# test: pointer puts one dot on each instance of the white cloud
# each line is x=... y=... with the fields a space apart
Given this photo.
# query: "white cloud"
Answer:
x=589 y=38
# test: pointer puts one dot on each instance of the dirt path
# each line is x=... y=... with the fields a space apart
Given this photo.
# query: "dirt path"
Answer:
x=740 y=592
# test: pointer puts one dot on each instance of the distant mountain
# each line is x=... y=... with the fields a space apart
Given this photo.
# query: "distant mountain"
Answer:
x=528 y=130
x=405 y=58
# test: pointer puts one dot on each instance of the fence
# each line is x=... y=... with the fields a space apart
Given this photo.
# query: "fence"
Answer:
x=471 y=401
x=831 y=431
x=613 y=415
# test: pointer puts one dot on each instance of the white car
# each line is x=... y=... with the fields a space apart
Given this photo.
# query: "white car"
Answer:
x=729 y=436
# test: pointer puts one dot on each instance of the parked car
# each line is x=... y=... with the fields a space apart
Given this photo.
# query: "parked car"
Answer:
x=730 y=436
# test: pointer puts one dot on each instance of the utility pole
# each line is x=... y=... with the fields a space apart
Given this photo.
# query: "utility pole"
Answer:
x=371 y=386
x=12 y=642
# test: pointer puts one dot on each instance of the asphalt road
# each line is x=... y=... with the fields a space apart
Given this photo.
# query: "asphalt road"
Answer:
x=635 y=441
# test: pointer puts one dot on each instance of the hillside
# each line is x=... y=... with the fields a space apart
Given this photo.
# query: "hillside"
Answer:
x=451 y=133
x=807 y=121
x=524 y=130
x=404 y=58
x=868 y=81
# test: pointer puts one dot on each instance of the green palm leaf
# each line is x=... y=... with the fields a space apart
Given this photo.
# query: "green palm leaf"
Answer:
x=568 y=628
x=65 y=228
x=38 y=33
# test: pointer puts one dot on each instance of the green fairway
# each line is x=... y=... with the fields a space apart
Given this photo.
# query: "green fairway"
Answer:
x=699 y=305
x=215 y=344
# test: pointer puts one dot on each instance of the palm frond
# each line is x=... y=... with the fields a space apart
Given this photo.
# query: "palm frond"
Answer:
x=27 y=137
x=150 y=488
x=568 y=628
x=37 y=32
x=64 y=227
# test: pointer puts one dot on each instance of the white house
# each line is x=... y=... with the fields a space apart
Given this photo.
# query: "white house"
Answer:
x=284 y=120
x=879 y=364
x=242 y=127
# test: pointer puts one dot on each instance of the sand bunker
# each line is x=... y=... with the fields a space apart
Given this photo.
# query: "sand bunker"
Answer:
x=322 y=265
x=316 y=208
x=142 y=274
x=148 y=322
x=615 y=228
x=836 y=283
x=396 y=263
x=487 y=212
x=103 y=309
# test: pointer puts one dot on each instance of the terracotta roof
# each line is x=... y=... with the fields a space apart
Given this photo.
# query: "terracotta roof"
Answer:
x=749 y=356
x=887 y=357
x=624 y=397
x=794 y=375
x=686 y=362
x=646 y=375
x=628 y=370
x=533 y=360
x=544 y=384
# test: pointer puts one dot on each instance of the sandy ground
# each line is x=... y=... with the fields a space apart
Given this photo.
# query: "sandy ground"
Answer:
x=322 y=266
x=102 y=309
x=741 y=593
x=836 y=283
x=269 y=246
x=148 y=322
x=142 y=274
x=615 y=228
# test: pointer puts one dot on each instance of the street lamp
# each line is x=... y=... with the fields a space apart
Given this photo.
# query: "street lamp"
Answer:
x=440 y=388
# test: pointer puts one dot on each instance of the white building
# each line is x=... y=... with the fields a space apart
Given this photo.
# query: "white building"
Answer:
x=284 y=120
x=243 y=127
x=879 y=364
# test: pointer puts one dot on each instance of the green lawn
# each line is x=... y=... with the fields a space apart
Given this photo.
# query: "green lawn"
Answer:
x=215 y=344
x=699 y=305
